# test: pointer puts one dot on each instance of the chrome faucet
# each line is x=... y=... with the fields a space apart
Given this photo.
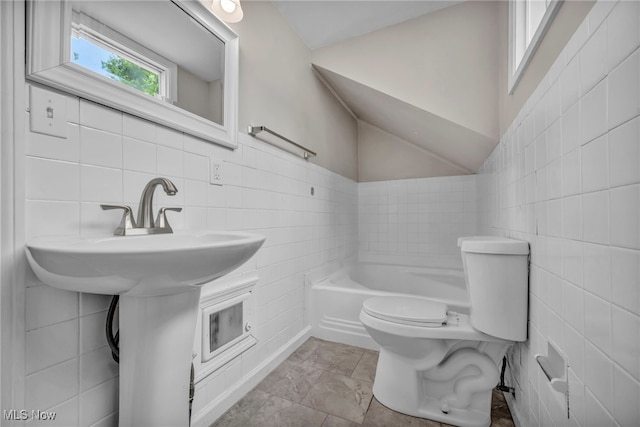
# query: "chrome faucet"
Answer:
x=145 y=223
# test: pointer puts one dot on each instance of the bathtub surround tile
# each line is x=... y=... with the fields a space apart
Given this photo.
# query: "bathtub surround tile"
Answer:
x=417 y=220
x=341 y=396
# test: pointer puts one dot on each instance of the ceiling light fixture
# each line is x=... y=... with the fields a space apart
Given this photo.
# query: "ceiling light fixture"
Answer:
x=227 y=10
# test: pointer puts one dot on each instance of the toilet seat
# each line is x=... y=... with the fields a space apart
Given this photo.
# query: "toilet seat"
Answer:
x=407 y=311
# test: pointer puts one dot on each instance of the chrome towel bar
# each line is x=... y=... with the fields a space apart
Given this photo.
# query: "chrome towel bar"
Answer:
x=254 y=130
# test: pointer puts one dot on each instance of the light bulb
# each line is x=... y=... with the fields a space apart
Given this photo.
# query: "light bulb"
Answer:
x=227 y=10
x=228 y=5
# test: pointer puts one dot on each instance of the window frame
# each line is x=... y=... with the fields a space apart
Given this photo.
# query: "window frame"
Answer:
x=518 y=36
x=85 y=27
x=47 y=53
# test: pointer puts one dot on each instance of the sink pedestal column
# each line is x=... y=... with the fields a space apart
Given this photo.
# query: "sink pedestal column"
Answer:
x=156 y=342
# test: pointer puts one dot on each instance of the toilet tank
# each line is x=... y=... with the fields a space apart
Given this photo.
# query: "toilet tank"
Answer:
x=497 y=275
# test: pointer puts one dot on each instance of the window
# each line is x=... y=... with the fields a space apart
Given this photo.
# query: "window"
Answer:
x=108 y=53
x=529 y=20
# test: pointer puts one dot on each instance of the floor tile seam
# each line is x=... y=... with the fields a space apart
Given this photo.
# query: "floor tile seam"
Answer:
x=316 y=381
x=250 y=419
x=356 y=367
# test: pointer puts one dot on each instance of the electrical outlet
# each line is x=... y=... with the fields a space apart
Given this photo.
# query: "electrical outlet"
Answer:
x=216 y=172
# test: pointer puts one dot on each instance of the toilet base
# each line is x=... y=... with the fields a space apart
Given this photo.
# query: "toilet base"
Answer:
x=455 y=390
x=431 y=411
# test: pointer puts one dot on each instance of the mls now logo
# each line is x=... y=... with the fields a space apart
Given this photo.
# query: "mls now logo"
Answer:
x=15 y=414
x=23 y=414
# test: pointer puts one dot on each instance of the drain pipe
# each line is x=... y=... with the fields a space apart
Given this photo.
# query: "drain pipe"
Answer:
x=113 y=340
x=501 y=386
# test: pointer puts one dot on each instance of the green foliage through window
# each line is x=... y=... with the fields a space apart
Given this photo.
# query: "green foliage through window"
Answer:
x=131 y=74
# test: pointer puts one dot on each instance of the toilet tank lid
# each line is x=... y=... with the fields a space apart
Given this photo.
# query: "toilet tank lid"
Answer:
x=495 y=245
x=483 y=238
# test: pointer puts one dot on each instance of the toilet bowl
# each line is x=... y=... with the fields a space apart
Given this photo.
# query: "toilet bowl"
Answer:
x=442 y=365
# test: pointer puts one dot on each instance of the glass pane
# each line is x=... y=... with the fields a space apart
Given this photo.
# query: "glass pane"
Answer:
x=225 y=326
x=106 y=63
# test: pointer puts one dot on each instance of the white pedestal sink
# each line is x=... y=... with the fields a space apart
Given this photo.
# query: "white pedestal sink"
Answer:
x=158 y=278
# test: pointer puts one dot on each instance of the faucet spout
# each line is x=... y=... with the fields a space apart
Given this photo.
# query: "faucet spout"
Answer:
x=145 y=210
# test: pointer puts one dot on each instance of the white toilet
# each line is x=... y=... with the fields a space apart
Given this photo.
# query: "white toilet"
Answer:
x=443 y=365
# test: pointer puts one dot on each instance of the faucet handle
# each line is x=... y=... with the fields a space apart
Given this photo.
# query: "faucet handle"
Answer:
x=126 y=223
x=161 y=220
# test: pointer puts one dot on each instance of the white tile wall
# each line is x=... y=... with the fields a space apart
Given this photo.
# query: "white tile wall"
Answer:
x=585 y=238
x=416 y=220
x=108 y=158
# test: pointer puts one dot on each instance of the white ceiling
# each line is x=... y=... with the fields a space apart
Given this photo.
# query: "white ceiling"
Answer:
x=322 y=23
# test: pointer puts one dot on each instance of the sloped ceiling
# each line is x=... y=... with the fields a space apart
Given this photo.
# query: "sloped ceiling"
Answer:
x=431 y=80
x=452 y=143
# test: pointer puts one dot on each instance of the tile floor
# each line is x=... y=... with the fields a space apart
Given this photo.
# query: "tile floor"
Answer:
x=327 y=384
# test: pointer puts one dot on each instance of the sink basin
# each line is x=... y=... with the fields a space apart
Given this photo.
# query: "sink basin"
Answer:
x=150 y=265
x=158 y=278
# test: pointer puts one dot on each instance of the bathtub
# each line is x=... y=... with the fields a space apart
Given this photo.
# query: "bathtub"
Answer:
x=335 y=300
